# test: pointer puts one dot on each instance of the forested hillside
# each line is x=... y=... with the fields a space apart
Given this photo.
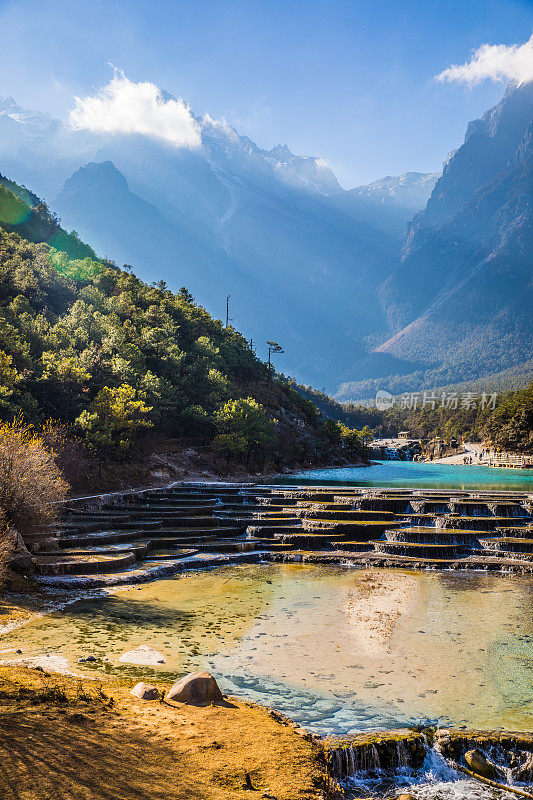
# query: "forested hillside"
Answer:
x=504 y=419
x=23 y=212
x=112 y=360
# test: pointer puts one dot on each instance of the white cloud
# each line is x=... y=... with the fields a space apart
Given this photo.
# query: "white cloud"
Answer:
x=497 y=62
x=126 y=107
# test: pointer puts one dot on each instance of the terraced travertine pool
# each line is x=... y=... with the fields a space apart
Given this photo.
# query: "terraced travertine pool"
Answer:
x=335 y=648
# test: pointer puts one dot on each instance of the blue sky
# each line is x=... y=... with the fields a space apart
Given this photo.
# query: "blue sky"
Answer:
x=352 y=82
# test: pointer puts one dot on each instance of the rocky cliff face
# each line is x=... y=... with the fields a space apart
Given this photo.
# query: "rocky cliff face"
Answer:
x=461 y=294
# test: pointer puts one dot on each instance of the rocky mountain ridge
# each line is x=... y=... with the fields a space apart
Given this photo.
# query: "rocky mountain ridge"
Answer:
x=459 y=302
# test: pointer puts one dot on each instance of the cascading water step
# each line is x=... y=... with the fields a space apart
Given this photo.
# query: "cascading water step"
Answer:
x=514 y=547
x=426 y=535
x=270 y=531
x=419 y=550
x=311 y=541
x=356 y=529
x=97 y=538
x=462 y=523
x=263 y=522
x=82 y=565
x=138 y=548
x=525 y=532
x=353 y=547
x=271 y=544
x=346 y=515
x=169 y=555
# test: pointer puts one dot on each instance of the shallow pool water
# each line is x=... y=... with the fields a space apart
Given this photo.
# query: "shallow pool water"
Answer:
x=419 y=475
x=336 y=648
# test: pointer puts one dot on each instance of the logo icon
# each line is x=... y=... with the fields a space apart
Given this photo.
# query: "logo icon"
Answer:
x=384 y=400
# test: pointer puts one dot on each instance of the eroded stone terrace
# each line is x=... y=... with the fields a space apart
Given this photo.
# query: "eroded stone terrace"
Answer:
x=135 y=536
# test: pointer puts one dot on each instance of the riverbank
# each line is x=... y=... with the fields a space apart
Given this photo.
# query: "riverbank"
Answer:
x=71 y=741
x=195 y=467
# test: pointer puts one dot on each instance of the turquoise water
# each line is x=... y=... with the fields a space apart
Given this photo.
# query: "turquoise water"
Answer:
x=413 y=474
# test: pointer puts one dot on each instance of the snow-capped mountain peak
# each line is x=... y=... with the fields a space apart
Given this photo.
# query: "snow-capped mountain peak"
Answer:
x=35 y=121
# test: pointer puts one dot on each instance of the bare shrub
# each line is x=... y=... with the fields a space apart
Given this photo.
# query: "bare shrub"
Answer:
x=7 y=546
x=30 y=480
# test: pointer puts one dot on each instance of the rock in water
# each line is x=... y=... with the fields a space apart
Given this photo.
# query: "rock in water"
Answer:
x=479 y=764
x=145 y=691
x=196 y=689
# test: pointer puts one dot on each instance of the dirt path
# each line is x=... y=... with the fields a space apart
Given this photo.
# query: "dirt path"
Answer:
x=471 y=449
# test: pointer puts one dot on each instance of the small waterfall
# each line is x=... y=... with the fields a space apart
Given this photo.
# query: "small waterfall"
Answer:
x=435 y=778
x=469 y=508
x=401 y=758
x=380 y=763
x=351 y=761
x=512 y=753
x=509 y=510
x=245 y=546
x=366 y=758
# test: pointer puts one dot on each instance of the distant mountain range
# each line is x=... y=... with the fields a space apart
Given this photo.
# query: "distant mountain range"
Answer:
x=409 y=282
x=300 y=257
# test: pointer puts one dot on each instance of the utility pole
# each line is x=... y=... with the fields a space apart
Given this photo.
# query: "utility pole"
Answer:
x=273 y=347
x=227 y=310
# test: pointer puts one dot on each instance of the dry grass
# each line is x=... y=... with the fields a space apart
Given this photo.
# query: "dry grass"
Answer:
x=60 y=741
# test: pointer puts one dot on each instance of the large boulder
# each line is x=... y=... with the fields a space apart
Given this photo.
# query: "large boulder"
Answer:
x=479 y=764
x=145 y=691
x=196 y=689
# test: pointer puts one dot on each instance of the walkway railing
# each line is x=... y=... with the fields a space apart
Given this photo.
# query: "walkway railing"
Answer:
x=507 y=460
